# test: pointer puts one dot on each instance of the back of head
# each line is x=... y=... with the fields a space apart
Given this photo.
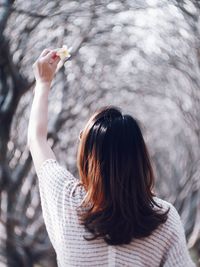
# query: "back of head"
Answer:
x=116 y=171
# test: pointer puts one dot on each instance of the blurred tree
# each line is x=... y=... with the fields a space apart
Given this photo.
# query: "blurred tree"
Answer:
x=18 y=247
x=140 y=55
x=191 y=115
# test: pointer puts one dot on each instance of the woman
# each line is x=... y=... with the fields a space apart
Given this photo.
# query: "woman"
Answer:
x=110 y=217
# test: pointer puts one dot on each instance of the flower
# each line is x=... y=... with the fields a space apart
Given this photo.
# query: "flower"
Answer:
x=63 y=53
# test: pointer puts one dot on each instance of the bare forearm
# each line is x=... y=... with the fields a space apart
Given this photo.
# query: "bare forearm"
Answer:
x=38 y=121
x=44 y=69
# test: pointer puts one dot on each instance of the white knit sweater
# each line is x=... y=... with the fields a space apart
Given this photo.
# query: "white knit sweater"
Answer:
x=61 y=194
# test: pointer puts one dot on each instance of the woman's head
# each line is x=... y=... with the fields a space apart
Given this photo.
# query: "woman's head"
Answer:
x=115 y=169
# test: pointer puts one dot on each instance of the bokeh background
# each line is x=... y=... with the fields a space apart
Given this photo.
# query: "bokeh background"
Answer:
x=140 y=55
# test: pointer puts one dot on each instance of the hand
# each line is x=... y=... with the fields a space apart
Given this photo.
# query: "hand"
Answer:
x=45 y=67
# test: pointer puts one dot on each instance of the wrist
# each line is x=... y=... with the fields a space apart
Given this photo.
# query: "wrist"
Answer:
x=42 y=87
x=43 y=84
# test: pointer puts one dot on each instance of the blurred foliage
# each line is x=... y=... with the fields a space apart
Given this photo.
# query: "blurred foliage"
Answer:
x=143 y=56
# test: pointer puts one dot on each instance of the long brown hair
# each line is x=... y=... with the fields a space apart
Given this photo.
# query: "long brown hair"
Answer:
x=115 y=169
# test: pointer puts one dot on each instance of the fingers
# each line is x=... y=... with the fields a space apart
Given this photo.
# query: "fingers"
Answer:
x=52 y=58
x=49 y=55
x=45 y=52
x=56 y=60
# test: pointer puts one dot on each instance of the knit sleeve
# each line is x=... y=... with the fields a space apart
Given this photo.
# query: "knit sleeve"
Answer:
x=177 y=254
x=55 y=186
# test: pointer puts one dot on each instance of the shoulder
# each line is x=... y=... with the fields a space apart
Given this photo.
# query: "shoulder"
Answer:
x=165 y=205
x=173 y=223
x=57 y=183
x=176 y=251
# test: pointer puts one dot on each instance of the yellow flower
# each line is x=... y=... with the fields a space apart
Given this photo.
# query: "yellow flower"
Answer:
x=63 y=53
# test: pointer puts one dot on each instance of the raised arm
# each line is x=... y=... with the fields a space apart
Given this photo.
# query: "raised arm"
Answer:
x=44 y=69
x=55 y=182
